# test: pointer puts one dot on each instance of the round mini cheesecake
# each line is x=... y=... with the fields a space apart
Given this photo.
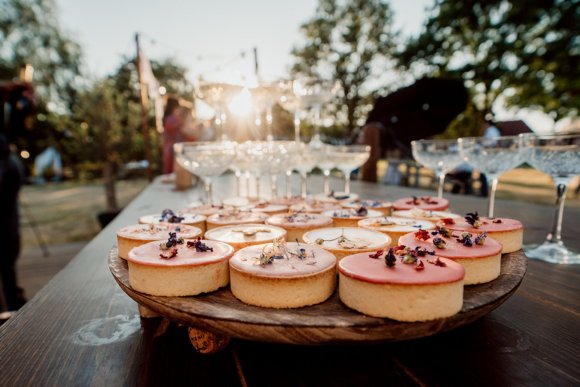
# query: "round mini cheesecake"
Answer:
x=267 y=208
x=383 y=207
x=297 y=224
x=204 y=209
x=195 y=220
x=427 y=203
x=139 y=234
x=432 y=216
x=230 y=217
x=181 y=270
x=337 y=197
x=343 y=241
x=508 y=232
x=395 y=227
x=244 y=235
x=348 y=217
x=280 y=275
x=314 y=206
x=482 y=262
x=401 y=292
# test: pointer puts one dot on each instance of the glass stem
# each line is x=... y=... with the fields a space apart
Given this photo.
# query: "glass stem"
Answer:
x=239 y=183
x=296 y=127
x=555 y=236
x=269 y=134
x=274 y=185
x=326 y=173
x=258 y=187
x=208 y=191
x=491 y=200
x=347 y=183
x=289 y=184
x=303 y=192
x=441 y=184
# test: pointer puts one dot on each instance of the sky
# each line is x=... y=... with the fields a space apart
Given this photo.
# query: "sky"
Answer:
x=209 y=37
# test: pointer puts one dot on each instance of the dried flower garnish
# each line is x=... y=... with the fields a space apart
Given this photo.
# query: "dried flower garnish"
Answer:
x=399 y=249
x=390 y=259
x=437 y=262
x=423 y=199
x=473 y=219
x=465 y=239
x=422 y=234
x=439 y=243
x=298 y=217
x=409 y=258
x=448 y=221
x=171 y=242
x=496 y=221
x=421 y=251
x=480 y=239
x=344 y=242
x=444 y=232
x=377 y=255
x=249 y=232
x=362 y=211
x=384 y=221
x=420 y=266
x=199 y=246
x=169 y=254
x=169 y=216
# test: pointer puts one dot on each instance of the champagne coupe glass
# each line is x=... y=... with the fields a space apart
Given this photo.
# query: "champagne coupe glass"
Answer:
x=206 y=159
x=263 y=99
x=326 y=164
x=314 y=93
x=441 y=156
x=293 y=154
x=217 y=95
x=347 y=158
x=559 y=157
x=290 y=101
x=306 y=162
x=280 y=157
x=258 y=156
x=492 y=156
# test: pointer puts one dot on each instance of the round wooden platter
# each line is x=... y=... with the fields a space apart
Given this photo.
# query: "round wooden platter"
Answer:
x=331 y=322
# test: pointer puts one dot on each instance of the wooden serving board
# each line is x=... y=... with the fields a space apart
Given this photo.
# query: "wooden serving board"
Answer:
x=327 y=323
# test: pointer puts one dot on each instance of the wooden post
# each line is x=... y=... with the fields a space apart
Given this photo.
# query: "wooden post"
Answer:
x=144 y=109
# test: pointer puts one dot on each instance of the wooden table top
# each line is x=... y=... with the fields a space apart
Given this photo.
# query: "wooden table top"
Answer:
x=82 y=329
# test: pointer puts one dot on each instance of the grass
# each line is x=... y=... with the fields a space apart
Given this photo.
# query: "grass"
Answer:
x=67 y=212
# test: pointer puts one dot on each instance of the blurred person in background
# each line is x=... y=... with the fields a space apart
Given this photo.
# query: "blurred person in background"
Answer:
x=17 y=104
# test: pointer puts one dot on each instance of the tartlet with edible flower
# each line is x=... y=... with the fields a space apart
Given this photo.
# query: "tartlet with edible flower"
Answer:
x=170 y=216
x=349 y=217
x=395 y=227
x=179 y=267
x=298 y=223
x=427 y=203
x=401 y=285
x=244 y=235
x=282 y=275
x=139 y=234
x=343 y=241
x=385 y=208
x=476 y=252
x=508 y=232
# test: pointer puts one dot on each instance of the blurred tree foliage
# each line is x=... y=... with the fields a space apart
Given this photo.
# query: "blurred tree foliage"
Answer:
x=525 y=51
x=347 y=41
x=30 y=34
x=102 y=131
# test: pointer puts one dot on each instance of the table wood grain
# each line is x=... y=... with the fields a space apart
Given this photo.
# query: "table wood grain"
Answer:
x=82 y=330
